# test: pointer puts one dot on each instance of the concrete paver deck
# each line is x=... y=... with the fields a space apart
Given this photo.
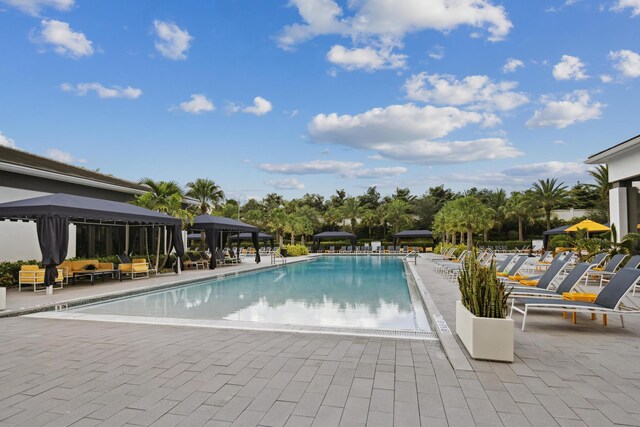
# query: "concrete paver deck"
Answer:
x=61 y=372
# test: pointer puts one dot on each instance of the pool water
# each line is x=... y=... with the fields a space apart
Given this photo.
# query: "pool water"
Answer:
x=330 y=291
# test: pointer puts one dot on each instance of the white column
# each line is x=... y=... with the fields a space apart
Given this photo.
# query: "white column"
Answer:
x=618 y=210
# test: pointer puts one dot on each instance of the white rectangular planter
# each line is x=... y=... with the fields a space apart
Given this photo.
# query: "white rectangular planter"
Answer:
x=3 y=297
x=485 y=338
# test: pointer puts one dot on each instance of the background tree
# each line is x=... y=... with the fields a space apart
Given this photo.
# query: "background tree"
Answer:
x=520 y=206
x=165 y=197
x=471 y=215
x=278 y=220
x=397 y=213
x=370 y=219
x=601 y=177
x=549 y=194
x=208 y=194
x=351 y=210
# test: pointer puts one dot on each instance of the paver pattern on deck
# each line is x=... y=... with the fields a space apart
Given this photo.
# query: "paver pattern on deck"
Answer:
x=59 y=372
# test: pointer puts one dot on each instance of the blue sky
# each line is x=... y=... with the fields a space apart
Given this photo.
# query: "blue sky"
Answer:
x=314 y=95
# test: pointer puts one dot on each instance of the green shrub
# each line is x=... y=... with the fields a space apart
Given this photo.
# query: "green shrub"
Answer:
x=9 y=272
x=296 y=250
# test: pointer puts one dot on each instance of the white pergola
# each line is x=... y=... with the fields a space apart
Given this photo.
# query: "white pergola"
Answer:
x=623 y=161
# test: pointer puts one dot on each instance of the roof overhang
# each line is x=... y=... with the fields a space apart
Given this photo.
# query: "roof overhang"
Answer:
x=615 y=151
x=25 y=170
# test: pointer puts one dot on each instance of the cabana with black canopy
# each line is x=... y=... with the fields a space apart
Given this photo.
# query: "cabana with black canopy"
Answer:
x=264 y=237
x=54 y=213
x=411 y=234
x=333 y=235
x=554 y=231
x=213 y=226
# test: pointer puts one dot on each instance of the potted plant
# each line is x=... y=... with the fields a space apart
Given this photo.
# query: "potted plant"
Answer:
x=481 y=321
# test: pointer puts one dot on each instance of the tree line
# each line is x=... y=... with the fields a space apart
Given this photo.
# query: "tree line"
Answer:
x=493 y=213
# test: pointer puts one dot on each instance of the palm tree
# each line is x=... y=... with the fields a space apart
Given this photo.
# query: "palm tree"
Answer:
x=601 y=176
x=208 y=194
x=370 y=219
x=166 y=197
x=549 y=194
x=471 y=215
x=519 y=206
x=277 y=220
x=397 y=213
x=351 y=210
x=497 y=201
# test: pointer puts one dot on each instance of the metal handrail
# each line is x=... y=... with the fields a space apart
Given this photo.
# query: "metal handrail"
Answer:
x=277 y=255
x=415 y=256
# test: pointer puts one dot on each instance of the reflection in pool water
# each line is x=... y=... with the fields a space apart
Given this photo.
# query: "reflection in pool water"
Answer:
x=366 y=291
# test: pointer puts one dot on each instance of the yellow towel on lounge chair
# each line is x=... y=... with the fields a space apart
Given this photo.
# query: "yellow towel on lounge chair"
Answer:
x=598 y=268
x=502 y=273
x=529 y=282
x=517 y=278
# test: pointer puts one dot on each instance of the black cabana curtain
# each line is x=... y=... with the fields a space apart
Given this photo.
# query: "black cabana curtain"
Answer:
x=178 y=244
x=211 y=236
x=53 y=237
x=256 y=245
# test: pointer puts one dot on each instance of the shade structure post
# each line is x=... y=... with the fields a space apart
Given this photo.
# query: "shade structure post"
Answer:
x=256 y=245
x=238 y=247
x=53 y=237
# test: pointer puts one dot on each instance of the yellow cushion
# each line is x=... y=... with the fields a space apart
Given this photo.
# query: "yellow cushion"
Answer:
x=529 y=282
x=598 y=268
x=502 y=273
x=517 y=277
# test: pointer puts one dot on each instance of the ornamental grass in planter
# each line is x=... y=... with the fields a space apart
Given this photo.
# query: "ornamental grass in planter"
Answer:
x=481 y=313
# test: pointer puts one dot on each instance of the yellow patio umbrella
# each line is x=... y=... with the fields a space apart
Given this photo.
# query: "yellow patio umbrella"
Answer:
x=587 y=224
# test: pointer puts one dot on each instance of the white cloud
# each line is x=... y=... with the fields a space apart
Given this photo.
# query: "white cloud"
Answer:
x=103 y=92
x=407 y=133
x=344 y=169
x=286 y=184
x=572 y=108
x=634 y=5
x=374 y=172
x=521 y=176
x=65 y=41
x=551 y=168
x=366 y=58
x=5 y=141
x=396 y=122
x=260 y=107
x=437 y=52
x=62 y=156
x=512 y=65
x=606 y=78
x=311 y=167
x=198 y=104
x=33 y=7
x=385 y=20
x=627 y=62
x=478 y=92
x=172 y=41
x=569 y=68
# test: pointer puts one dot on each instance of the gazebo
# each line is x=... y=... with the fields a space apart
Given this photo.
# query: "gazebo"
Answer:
x=215 y=228
x=54 y=213
x=554 y=231
x=333 y=235
x=411 y=234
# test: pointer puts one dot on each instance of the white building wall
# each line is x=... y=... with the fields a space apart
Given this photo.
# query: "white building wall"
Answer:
x=19 y=240
x=624 y=166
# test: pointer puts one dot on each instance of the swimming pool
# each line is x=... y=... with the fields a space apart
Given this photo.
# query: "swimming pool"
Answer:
x=329 y=291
